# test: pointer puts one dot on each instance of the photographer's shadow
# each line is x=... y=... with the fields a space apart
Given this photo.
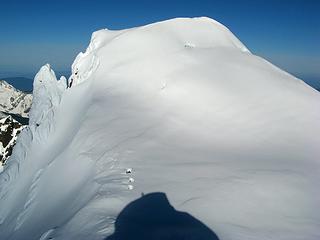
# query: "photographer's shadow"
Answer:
x=151 y=217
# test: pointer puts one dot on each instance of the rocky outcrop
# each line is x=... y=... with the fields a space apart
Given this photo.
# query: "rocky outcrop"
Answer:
x=9 y=131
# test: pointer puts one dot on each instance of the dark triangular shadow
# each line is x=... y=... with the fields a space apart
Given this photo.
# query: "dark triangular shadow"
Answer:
x=151 y=217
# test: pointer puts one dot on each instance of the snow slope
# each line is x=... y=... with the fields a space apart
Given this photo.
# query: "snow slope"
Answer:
x=13 y=100
x=179 y=107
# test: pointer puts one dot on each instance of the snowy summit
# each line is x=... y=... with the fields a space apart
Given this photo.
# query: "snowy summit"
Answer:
x=170 y=124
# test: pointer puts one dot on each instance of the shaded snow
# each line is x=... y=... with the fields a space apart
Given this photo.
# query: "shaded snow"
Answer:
x=179 y=107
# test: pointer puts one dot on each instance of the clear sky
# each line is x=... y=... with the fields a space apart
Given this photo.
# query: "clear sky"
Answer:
x=33 y=32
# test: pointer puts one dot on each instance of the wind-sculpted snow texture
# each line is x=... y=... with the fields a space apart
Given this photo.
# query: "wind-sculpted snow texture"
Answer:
x=179 y=107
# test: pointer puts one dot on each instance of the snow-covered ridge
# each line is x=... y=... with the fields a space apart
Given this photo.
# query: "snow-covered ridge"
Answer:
x=179 y=107
x=216 y=35
x=47 y=91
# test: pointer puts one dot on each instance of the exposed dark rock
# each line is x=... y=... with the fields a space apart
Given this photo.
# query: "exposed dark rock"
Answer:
x=9 y=131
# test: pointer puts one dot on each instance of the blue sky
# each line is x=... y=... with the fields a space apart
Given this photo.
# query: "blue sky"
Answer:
x=33 y=32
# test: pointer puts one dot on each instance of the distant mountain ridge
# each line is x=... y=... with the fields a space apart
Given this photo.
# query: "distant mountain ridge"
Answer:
x=22 y=83
x=14 y=112
x=14 y=101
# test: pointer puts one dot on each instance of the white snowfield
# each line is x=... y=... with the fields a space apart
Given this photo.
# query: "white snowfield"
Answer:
x=179 y=107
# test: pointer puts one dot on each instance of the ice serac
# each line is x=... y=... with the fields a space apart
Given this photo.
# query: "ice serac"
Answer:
x=179 y=107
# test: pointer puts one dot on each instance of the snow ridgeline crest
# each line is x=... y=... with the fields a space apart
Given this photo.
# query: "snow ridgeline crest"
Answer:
x=47 y=92
x=85 y=63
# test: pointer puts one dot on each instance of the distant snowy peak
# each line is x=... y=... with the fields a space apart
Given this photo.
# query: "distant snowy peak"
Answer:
x=14 y=101
x=9 y=131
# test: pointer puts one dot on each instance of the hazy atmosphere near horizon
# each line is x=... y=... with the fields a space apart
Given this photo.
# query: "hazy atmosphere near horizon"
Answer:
x=33 y=33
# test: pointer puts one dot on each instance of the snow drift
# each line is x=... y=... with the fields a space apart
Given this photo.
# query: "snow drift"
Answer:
x=179 y=107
